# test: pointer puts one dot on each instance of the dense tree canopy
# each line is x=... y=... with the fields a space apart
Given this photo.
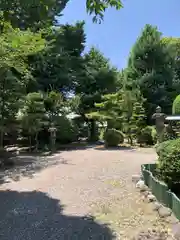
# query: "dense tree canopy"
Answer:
x=150 y=67
x=36 y=14
x=48 y=81
x=56 y=67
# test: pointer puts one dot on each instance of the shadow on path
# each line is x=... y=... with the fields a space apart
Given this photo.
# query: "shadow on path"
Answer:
x=118 y=148
x=36 y=216
x=27 y=165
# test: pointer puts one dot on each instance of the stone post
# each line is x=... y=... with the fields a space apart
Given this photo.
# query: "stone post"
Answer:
x=52 y=131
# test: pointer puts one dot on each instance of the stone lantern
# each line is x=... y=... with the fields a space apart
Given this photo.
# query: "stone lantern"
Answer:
x=52 y=131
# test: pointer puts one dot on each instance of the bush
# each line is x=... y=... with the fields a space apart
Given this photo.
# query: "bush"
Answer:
x=154 y=135
x=67 y=132
x=169 y=133
x=147 y=136
x=160 y=147
x=168 y=167
x=176 y=105
x=113 y=137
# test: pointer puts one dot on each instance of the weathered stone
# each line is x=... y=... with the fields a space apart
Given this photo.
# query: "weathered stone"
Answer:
x=156 y=206
x=141 y=185
x=164 y=212
x=172 y=219
x=151 y=198
x=146 y=193
x=143 y=198
x=136 y=178
x=176 y=231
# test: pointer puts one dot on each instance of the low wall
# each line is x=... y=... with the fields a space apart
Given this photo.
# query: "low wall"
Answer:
x=160 y=189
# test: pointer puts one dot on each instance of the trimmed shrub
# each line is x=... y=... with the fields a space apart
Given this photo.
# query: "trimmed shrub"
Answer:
x=176 y=105
x=169 y=133
x=168 y=167
x=113 y=137
x=147 y=136
x=154 y=135
x=67 y=132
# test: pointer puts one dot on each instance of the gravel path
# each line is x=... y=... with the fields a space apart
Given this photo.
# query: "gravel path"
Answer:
x=56 y=202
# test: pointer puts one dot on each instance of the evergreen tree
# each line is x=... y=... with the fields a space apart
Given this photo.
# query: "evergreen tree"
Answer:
x=150 y=68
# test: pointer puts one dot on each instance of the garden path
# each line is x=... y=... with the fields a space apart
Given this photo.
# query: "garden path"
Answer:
x=75 y=196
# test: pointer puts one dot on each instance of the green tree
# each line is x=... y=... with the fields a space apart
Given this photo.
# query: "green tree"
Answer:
x=36 y=14
x=109 y=110
x=15 y=46
x=32 y=115
x=54 y=104
x=122 y=111
x=96 y=79
x=174 y=47
x=176 y=105
x=57 y=67
x=150 y=68
x=97 y=8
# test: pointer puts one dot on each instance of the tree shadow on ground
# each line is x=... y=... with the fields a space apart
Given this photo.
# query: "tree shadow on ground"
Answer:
x=26 y=165
x=74 y=147
x=36 y=216
x=118 y=148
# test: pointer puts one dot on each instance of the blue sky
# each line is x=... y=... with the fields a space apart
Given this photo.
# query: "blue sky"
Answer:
x=116 y=35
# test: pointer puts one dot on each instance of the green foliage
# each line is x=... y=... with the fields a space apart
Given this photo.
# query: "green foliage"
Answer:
x=17 y=45
x=113 y=138
x=54 y=104
x=67 y=132
x=154 y=135
x=161 y=146
x=121 y=111
x=150 y=67
x=42 y=66
x=109 y=110
x=58 y=66
x=176 y=105
x=173 y=45
x=98 y=8
x=146 y=136
x=34 y=14
x=169 y=162
x=101 y=133
x=32 y=115
x=169 y=133
x=134 y=114
x=96 y=79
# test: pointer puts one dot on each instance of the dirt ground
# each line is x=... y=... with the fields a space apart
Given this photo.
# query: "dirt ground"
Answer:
x=79 y=194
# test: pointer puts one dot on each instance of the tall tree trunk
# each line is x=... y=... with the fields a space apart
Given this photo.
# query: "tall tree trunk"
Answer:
x=30 y=142
x=1 y=138
x=36 y=139
x=2 y=110
x=93 y=134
